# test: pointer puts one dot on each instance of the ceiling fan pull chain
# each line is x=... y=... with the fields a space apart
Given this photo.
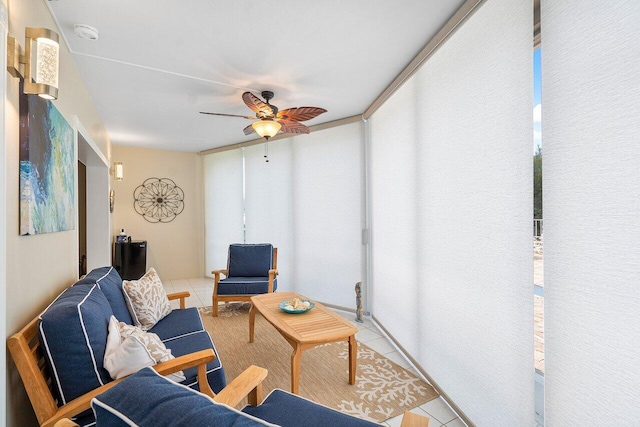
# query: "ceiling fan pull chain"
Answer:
x=266 y=151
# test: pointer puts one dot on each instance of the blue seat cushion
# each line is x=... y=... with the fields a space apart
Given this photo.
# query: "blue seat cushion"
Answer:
x=110 y=284
x=245 y=285
x=147 y=399
x=191 y=343
x=250 y=260
x=73 y=333
x=289 y=410
x=178 y=323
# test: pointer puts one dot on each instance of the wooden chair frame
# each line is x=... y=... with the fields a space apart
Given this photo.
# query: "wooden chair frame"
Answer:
x=28 y=356
x=215 y=298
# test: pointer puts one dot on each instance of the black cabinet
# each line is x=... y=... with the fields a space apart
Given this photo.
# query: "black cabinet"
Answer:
x=130 y=259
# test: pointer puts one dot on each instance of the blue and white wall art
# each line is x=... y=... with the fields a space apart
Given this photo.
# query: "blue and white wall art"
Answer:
x=47 y=172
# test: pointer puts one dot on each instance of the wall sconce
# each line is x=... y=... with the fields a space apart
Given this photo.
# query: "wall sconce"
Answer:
x=117 y=171
x=38 y=66
x=266 y=128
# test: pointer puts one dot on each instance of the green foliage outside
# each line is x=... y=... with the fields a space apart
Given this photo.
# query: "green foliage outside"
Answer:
x=537 y=184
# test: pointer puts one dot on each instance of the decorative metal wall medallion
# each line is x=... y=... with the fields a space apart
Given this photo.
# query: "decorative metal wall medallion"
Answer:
x=158 y=200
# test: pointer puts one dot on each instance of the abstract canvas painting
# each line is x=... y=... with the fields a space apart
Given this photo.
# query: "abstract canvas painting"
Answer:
x=47 y=177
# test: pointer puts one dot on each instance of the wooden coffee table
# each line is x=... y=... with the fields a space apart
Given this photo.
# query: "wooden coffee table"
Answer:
x=305 y=330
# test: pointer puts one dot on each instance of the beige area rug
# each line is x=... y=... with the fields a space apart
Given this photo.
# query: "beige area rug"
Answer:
x=383 y=389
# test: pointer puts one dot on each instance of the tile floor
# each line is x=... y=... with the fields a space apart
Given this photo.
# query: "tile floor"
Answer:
x=437 y=410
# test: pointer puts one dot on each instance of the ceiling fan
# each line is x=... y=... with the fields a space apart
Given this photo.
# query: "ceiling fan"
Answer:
x=270 y=120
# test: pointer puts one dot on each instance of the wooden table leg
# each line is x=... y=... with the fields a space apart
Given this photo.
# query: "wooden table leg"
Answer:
x=252 y=321
x=353 y=358
x=409 y=419
x=295 y=368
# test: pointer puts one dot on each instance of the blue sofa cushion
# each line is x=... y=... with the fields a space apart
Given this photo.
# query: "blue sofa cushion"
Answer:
x=148 y=399
x=73 y=333
x=110 y=284
x=178 y=323
x=191 y=343
x=245 y=285
x=289 y=410
x=250 y=260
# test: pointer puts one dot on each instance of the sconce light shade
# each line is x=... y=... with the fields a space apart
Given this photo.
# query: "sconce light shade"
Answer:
x=41 y=62
x=266 y=128
x=118 y=171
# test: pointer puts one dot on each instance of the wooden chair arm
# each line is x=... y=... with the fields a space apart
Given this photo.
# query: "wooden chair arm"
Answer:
x=248 y=383
x=217 y=273
x=78 y=404
x=181 y=296
x=82 y=403
x=27 y=364
x=199 y=359
x=272 y=277
x=66 y=422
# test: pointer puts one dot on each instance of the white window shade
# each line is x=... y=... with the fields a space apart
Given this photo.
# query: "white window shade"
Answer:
x=329 y=213
x=223 y=206
x=591 y=131
x=451 y=195
x=308 y=201
x=269 y=204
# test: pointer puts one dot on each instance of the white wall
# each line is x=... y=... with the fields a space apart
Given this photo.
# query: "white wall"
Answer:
x=4 y=27
x=175 y=249
x=37 y=267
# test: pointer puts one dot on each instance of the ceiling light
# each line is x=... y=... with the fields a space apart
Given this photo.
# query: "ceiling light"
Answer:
x=266 y=128
x=40 y=61
x=85 y=31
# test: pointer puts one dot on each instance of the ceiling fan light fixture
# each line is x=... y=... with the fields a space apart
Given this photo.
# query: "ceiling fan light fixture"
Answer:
x=266 y=128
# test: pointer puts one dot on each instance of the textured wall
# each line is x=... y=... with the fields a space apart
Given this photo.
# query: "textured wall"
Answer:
x=451 y=210
x=591 y=136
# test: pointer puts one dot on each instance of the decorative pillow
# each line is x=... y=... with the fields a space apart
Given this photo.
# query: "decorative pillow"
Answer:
x=130 y=349
x=146 y=300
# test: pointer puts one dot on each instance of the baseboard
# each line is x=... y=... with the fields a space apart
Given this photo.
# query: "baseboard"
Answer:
x=433 y=383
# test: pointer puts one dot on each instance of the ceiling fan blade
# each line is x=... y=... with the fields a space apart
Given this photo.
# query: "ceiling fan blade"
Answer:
x=291 y=126
x=248 y=130
x=228 y=115
x=256 y=104
x=301 y=114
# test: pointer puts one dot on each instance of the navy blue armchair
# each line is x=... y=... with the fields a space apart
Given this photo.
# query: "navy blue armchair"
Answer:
x=146 y=399
x=251 y=270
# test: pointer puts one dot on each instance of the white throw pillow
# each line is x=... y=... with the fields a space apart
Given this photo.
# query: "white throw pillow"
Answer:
x=130 y=349
x=146 y=300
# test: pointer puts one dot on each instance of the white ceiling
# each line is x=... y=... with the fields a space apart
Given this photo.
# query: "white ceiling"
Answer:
x=156 y=64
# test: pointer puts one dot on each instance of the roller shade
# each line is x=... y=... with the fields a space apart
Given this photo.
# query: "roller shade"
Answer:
x=451 y=168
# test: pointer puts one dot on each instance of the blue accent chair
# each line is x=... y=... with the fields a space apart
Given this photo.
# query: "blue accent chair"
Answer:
x=251 y=270
x=146 y=399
